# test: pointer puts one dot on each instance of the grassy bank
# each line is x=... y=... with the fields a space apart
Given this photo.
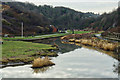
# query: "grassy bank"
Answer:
x=24 y=51
x=44 y=36
x=20 y=51
x=78 y=32
x=35 y=37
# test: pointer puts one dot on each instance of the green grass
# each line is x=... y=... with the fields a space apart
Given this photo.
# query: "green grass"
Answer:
x=79 y=32
x=18 y=48
x=45 y=36
x=36 y=37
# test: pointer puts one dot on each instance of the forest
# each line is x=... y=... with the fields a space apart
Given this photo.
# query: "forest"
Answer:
x=37 y=19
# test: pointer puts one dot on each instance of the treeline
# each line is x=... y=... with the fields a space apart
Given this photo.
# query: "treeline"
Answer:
x=106 y=21
x=115 y=23
x=34 y=23
x=37 y=19
x=33 y=15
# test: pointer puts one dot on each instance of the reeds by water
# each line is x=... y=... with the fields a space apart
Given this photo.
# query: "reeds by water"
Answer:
x=71 y=40
x=39 y=63
x=103 y=44
x=88 y=39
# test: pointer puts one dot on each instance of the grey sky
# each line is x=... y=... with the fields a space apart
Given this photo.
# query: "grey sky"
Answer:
x=96 y=6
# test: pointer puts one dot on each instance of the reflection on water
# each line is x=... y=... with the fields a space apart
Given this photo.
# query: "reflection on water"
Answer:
x=117 y=67
x=76 y=62
x=63 y=48
x=41 y=70
x=110 y=53
x=80 y=63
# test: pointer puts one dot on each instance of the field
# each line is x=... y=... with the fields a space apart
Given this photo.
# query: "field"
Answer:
x=18 y=48
x=15 y=48
x=78 y=32
x=35 y=37
x=45 y=36
x=20 y=51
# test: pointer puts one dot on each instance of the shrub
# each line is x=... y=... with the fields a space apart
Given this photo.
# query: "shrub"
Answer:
x=38 y=63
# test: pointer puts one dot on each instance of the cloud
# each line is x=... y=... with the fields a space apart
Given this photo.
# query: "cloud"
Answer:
x=7 y=0
x=70 y=0
x=95 y=6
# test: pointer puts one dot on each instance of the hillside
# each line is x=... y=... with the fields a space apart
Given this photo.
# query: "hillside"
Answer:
x=13 y=17
x=117 y=27
x=107 y=21
x=59 y=16
x=114 y=28
x=31 y=15
x=37 y=19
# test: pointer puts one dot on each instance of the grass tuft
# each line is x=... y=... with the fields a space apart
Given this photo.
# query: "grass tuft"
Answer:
x=38 y=63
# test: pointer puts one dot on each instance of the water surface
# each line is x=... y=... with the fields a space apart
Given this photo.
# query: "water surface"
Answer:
x=74 y=62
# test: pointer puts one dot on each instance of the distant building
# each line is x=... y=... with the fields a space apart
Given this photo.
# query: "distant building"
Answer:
x=54 y=28
x=6 y=35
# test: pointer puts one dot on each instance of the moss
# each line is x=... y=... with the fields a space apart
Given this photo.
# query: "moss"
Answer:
x=27 y=60
x=51 y=54
x=4 y=61
x=17 y=60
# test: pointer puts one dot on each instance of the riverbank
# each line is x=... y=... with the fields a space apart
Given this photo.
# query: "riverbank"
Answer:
x=16 y=50
x=19 y=38
x=91 y=40
x=83 y=62
x=75 y=60
x=26 y=52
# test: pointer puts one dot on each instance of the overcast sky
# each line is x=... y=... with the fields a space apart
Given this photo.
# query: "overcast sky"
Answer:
x=96 y=6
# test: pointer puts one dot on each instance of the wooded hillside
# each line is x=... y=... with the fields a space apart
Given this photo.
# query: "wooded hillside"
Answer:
x=37 y=19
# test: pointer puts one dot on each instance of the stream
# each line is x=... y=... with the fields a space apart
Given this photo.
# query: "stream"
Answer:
x=73 y=62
